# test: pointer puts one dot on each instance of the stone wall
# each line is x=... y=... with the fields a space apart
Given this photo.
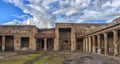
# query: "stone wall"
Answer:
x=82 y=29
x=20 y=31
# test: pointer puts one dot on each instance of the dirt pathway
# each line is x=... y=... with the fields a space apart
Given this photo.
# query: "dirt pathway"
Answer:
x=84 y=58
x=38 y=58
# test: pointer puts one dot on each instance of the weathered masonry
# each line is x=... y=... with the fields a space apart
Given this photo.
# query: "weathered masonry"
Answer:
x=65 y=36
x=88 y=37
x=14 y=38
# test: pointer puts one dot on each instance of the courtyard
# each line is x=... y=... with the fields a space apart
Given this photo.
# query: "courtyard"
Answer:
x=51 y=57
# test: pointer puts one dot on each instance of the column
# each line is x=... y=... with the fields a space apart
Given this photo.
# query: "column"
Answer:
x=3 y=43
x=56 y=40
x=83 y=44
x=98 y=41
x=106 y=43
x=89 y=44
x=73 y=40
x=32 y=43
x=93 y=41
x=115 y=41
x=17 y=43
x=86 y=44
x=45 y=44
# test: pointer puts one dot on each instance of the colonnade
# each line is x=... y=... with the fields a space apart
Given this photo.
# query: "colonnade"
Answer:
x=90 y=41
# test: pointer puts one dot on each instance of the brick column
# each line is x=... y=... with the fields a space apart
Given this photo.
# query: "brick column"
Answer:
x=106 y=43
x=115 y=41
x=73 y=40
x=89 y=44
x=17 y=43
x=56 y=40
x=45 y=44
x=93 y=41
x=32 y=43
x=98 y=41
x=3 y=43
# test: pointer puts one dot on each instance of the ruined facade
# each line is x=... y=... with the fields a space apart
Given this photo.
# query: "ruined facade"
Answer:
x=97 y=38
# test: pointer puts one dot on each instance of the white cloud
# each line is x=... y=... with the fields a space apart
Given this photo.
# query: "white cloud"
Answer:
x=20 y=16
x=40 y=16
x=14 y=22
x=86 y=9
x=70 y=12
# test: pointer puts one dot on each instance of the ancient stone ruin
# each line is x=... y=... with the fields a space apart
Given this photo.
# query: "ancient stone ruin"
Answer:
x=88 y=37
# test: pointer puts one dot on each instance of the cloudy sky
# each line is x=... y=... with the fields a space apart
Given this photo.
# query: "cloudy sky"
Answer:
x=45 y=13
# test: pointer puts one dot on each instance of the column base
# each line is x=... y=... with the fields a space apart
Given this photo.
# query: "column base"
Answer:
x=99 y=51
x=3 y=48
x=56 y=48
x=73 y=49
x=94 y=50
x=115 y=53
x=45 y=50
x=89 y=50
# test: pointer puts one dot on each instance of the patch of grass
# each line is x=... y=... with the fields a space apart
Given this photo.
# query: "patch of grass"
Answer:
x=55 y=58
x=21 y=58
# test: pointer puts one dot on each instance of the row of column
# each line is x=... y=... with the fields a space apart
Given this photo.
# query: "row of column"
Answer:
x=90 y=46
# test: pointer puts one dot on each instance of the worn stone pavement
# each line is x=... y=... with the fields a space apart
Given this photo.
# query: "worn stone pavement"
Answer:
x=86 y=58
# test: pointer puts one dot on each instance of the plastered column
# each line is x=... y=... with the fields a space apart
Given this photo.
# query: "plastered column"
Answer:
x=3 y=43
x=115 y=41
x=86 y=44
x=98 y=41
x=93 y=41
x=89 y=44
x=106 y=43
x=45 y=44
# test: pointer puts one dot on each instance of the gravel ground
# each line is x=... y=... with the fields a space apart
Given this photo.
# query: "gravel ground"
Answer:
x=85 y=58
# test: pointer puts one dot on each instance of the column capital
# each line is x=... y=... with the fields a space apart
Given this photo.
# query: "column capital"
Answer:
x=93 y=36
x=105 y=33
x=3 y=36
x=114 y=30
x=98 y=34
x=45 y=38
